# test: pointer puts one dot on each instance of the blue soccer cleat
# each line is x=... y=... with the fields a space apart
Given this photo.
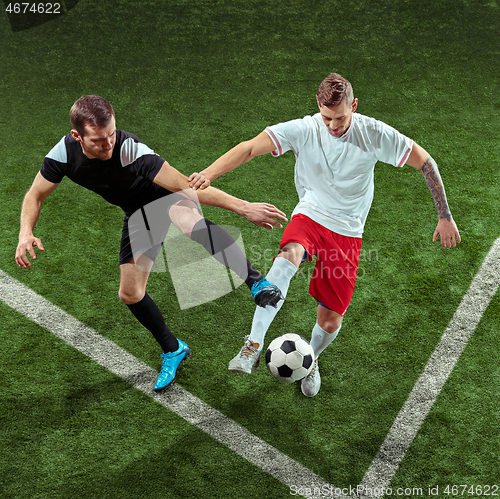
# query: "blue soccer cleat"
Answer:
x=170 y=363
x=266 y=293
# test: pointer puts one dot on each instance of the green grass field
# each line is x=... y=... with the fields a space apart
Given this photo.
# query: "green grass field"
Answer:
x=192 y=79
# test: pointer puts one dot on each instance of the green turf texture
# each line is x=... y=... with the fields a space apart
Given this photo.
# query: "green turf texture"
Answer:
x=192 y=79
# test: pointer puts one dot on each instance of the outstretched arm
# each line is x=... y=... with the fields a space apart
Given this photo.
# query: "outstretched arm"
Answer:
x=446 y=227
x=242 y=153
x=30 y=212
x=261 y=214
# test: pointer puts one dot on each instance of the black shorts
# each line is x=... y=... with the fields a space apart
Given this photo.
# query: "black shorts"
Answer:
x=145 y=230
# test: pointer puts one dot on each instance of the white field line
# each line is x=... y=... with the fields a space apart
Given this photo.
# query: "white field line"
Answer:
x=141 y=376
x=435 y=374
x=240 y=440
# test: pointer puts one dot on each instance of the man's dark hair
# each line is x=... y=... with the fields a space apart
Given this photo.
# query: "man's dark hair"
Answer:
x=334 y=90
x=90 y=110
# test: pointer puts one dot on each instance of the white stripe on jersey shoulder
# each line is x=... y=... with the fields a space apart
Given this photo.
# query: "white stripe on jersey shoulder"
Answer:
x=58 y=152
x=132 y=150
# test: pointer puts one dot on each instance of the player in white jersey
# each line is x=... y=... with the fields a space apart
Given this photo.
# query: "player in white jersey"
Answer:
x=336 y=151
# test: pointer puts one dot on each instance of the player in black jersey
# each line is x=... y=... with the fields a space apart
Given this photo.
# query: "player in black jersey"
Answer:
x=118 y=166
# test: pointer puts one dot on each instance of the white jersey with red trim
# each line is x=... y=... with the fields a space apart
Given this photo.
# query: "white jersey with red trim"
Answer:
x=334 y=176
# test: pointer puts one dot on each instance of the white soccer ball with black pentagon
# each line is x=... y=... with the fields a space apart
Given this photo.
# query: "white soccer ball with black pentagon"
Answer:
x=289 y=357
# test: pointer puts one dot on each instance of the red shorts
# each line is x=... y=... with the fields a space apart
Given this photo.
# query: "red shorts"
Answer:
x=337 y=259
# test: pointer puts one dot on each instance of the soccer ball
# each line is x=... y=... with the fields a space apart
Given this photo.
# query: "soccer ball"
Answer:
x=289 y=357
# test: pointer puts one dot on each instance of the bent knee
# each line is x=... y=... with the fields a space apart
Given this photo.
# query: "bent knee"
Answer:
x=130 y=296
x=184 y=215
x=293 y=252
x=330 y=324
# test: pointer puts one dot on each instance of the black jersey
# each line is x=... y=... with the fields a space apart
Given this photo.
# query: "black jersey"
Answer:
x=125 y=180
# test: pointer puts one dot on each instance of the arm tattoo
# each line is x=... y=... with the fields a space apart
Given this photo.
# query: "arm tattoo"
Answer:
x=435 y=184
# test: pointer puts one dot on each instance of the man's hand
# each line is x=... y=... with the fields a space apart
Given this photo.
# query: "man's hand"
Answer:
x=448 y=231
x=198 y=181
x=27 y=244
x=263 y=215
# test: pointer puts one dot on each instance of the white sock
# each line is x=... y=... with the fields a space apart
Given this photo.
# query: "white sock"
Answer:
x=320 y=338
x=281 y=274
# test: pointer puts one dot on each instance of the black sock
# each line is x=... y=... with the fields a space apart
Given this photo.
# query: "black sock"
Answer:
x=148 y=314
x=224 y=249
